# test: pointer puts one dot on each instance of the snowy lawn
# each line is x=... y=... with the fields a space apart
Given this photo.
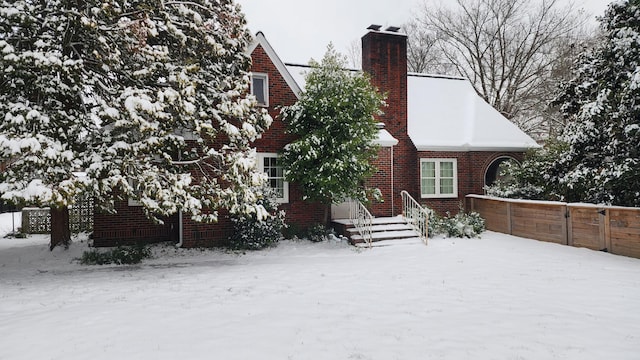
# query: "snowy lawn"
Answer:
x=498 y=297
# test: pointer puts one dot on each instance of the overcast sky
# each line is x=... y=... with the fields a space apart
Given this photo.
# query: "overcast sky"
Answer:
x=301 y=29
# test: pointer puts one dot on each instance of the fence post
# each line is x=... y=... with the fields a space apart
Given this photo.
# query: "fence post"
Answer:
x=509 y=221
x=605 y=230
x=565 y=223
x=569 y=227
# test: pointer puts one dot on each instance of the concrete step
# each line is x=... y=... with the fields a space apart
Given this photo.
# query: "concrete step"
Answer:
x=375 y=221
x=388 y=220
x=384 y=227
x=386 y=235
x=384 y=243
x=384 y=232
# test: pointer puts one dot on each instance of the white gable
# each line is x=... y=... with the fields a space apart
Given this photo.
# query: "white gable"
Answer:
x=446 y=114
x=261 y=40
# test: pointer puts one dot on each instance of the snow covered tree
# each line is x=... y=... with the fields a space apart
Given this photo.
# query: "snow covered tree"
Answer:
x=45 y=130
x=149 y=97
x=334 y=121
x=602 y=104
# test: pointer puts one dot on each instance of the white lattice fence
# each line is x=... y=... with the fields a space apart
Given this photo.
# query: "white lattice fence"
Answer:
x=81 y=215
x=38 y=220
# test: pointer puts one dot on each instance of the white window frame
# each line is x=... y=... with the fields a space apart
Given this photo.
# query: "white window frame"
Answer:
x=438 y=162
x=131 y=202
x=285 y=186
x=265 y=78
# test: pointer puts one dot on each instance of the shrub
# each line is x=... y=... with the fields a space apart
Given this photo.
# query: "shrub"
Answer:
x=536 y=178
x=120 y=255
x=251 y=233
x=316 y=233
x=461 y=225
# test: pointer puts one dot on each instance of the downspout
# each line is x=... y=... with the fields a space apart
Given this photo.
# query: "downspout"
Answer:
x=180 y=236
x=180 y=230
x=393 y=194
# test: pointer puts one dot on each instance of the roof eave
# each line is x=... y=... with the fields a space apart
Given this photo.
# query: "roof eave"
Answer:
x=470 y=148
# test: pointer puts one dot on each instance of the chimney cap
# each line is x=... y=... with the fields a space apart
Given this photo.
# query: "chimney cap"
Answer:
x=393 y=28
x=374 y=27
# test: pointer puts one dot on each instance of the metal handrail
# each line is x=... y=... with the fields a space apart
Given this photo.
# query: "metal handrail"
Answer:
x=415 y=215
x=362 y=220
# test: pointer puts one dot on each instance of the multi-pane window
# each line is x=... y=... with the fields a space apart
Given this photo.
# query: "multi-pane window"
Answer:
x=260 y=88
x=438 y=178
x=270 y=164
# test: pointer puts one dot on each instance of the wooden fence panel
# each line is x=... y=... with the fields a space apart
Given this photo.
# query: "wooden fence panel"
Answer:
x=540 y=221
x=495 y=214
x=625 y=231
x=586 y=227
x=614 y=229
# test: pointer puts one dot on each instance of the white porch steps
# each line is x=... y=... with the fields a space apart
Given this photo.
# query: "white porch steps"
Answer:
x=386 y=231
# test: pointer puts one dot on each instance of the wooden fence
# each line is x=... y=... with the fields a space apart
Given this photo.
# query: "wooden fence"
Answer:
x=605 y=228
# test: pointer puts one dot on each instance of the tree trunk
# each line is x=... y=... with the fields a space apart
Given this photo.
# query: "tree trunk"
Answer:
x=60 y=231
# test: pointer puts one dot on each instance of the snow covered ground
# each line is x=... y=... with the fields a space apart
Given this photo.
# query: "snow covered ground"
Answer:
x=498 y=297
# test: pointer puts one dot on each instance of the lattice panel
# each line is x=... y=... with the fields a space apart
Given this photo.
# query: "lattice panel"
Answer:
x=38 y=220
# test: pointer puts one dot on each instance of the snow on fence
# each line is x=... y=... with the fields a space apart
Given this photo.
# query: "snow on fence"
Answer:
x=610 y=228
x=38 y=220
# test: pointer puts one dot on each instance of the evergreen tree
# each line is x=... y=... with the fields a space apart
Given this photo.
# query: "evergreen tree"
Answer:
x=149 y=97
x=335 y=127
x=602 y=104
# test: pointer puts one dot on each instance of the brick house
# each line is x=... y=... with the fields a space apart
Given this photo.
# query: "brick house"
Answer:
x=450 y=141
x=438 y=140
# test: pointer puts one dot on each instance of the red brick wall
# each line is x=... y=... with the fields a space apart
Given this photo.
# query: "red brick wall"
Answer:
x=274 y=139
x=384 y=57
x=472 y=167
x=382 y=180
x=129 y=227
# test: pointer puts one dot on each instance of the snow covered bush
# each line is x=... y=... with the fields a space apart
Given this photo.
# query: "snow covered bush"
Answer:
x=335 y=128
x=313 y=233
x=253 y=233
x=461 y=225
x=535 y=178
x=317 y=233
x=119 y=256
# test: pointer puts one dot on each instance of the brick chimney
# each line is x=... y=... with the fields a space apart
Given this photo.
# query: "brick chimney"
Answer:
x=384 y=58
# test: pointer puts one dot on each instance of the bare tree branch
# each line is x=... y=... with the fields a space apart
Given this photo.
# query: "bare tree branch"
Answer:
x=509 y=49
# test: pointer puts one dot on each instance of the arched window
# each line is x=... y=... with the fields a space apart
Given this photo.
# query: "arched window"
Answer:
x=495 y=168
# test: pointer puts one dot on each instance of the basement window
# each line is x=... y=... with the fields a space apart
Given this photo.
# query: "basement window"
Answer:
x=438 y=178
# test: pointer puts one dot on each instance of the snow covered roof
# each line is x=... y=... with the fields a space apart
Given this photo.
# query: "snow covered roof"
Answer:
x=298 y=73
x=446 y=114
x=385 y=139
